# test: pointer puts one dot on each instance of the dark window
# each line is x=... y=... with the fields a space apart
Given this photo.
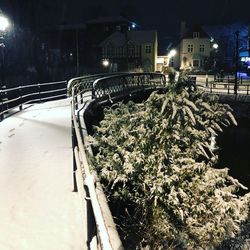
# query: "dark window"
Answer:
x=106 y=28
x=190 y=47
x=148 y=49
x=196 y=35
x=202 y=48
x=196 y=63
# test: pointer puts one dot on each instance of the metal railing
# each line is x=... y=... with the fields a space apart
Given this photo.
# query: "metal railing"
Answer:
x=226 y=88
x=18 y=96
x=113 y=85
x=83 y=91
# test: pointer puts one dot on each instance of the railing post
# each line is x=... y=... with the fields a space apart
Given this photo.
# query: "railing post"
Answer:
x=74 y=143
x=247 y=88
x=211 y=87
x=21 y=98
x=39 y=92
x=76 y=101
x=228 y=88
x=81 y=97
x=1 y=110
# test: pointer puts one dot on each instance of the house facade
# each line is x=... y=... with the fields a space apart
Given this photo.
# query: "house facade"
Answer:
x=131 y=51
x=194 y=49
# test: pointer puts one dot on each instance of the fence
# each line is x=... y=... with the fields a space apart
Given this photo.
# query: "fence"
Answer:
x=17 y=97
x=83 y=90
x=226 y=87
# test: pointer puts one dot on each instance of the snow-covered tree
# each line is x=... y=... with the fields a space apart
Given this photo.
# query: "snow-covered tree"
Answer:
x=157 y=156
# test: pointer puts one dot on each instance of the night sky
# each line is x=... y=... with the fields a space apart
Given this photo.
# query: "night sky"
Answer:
x=163 y=15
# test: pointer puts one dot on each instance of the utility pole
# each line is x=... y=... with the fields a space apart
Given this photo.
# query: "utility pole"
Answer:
x=236 y=62
x=77 y=52
x=2 y=65
x=126 y=50
x=248 y=69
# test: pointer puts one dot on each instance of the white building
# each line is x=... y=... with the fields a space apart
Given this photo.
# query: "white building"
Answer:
x=195 y=47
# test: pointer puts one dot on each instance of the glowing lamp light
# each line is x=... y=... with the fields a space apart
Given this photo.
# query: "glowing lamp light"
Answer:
x=105 y=62
x=133 y=25
x=172 y=53
x=4 y=23
x=215 y=46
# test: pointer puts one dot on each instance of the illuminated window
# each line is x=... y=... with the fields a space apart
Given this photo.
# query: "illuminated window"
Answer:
x=190 y=47
x=148 y=49
x=196 y=35
x=202 y=48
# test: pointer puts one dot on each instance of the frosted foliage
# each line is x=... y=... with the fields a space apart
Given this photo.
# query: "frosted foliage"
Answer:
x=157 y=155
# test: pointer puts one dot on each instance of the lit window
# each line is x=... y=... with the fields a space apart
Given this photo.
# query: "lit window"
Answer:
x=196 y=35
x=202 y=48
x=190 y=47
x=148 y=49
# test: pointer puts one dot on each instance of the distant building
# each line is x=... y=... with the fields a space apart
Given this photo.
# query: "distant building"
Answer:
x=97 y=30
x=195 y=47
x=131 y=50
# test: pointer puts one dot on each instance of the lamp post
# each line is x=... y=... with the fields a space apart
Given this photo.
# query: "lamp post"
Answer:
x=4 y=23
x=171 y=54
x=236 y=62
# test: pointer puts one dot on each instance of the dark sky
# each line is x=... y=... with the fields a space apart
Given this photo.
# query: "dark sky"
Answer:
x=163 y=15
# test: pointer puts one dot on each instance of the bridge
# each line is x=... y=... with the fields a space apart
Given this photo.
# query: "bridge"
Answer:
x=50 y=197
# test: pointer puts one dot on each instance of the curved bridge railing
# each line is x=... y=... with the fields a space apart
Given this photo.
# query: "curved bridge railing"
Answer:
x=101 y=232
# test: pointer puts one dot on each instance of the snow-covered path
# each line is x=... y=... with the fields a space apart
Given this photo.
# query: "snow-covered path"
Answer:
x=38 y=210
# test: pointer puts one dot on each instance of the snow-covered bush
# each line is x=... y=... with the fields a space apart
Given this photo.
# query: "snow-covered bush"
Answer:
x=157 y=156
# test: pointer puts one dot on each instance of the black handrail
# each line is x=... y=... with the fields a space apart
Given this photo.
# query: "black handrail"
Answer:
x=18 y=96
x=110 y=85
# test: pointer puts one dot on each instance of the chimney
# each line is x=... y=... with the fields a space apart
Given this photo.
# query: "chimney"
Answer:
x=183 y=28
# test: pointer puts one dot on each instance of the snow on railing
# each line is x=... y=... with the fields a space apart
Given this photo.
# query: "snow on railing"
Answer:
x=18 y=96
x=83 y=90
x=86 y=181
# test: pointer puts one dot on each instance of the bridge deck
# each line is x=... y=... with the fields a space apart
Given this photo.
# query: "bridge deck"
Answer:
x=38 y=209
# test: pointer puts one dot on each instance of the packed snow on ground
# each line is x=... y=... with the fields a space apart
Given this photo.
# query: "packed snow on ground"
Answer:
x=38 y=209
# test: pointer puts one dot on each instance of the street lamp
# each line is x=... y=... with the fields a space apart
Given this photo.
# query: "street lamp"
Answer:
x=171 y=54
x=105 y=63
x=215 y=46
x=4 y=24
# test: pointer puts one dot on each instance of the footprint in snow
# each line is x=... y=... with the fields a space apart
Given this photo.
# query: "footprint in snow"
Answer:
x=21 y=124
x=11 y=130
x=11 y=135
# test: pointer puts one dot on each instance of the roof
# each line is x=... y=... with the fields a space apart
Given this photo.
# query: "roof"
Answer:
x=135 y=36
x=197 y=28
x=107 y=19
x=63 y=27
